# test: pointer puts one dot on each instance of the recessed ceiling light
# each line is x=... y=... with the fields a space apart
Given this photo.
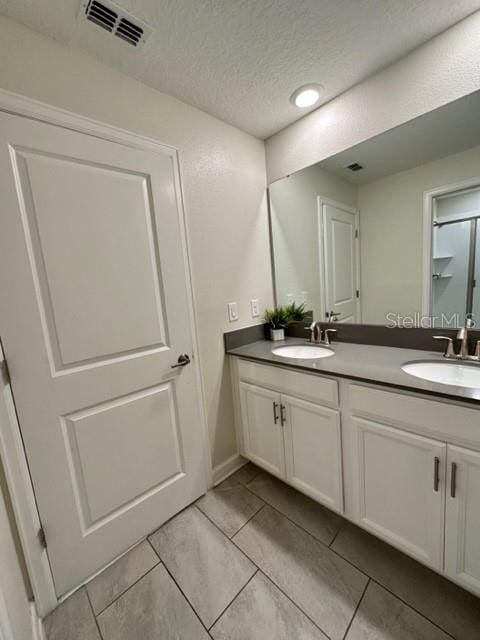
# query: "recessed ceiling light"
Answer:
x=306 y=96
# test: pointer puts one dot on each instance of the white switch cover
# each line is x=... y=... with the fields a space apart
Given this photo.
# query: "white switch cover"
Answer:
x=254 y=308
x=232 y=311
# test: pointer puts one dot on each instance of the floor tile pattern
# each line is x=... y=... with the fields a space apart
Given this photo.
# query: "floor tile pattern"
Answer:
x=256 y=560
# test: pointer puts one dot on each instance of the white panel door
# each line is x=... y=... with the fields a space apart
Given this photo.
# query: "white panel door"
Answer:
x=314 y=451
x=462 y=538
x=401 y=485
x=340 y=258
x=94 y=314
x=262 y=420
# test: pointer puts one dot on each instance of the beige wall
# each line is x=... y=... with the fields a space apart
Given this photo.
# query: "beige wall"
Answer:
x=445 y=68
x=223 y=172
x=295 y=232
x=391 y=233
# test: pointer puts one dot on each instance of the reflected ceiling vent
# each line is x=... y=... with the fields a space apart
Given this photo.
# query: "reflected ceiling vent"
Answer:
x=355 y=166
x=116 y=21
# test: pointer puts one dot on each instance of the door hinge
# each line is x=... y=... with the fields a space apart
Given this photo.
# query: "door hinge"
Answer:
x=356 y=233
x=357 y=293
x=42 y=538
x=4 y=372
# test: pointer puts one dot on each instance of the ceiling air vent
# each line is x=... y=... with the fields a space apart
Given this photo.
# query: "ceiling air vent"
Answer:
x=116 y=21
x=355 y=166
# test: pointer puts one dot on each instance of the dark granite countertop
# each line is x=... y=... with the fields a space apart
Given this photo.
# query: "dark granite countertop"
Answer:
x=368 y=363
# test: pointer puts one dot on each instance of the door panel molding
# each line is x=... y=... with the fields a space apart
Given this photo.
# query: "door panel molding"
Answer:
x=10 y=441
x=322 y=203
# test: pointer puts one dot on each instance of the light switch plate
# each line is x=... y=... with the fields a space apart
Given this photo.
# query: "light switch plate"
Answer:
x=232 y=311
x=254 y=308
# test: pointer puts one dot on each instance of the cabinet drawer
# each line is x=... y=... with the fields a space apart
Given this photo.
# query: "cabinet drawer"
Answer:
x=311 y=387
x=443 y=420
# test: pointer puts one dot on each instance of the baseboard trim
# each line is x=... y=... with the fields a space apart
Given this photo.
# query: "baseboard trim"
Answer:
x=38 y=632
x=226 y=468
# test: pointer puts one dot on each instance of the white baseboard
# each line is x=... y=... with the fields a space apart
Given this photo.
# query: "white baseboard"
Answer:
x=226 y=468
x=38 y=632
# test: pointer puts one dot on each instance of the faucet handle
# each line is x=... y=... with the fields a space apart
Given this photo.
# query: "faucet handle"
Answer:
x=314 y=331
x=449 y=352
x=326 y=332
x=477 y=350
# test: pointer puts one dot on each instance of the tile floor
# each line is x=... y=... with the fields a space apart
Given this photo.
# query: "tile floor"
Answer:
x=256 y=560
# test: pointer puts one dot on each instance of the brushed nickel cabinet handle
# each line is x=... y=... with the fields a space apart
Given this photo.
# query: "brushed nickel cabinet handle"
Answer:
x=282 y=414
x=436 y=474
x=453 y=480
x=275 y=414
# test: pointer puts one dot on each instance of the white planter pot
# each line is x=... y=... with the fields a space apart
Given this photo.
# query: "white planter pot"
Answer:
x=277 y=334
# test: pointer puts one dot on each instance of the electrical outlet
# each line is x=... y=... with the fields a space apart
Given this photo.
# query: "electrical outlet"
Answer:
x=232 y=311
x=254 y=308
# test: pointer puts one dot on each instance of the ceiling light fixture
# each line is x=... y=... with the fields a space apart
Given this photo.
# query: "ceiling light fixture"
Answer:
x=306 y=96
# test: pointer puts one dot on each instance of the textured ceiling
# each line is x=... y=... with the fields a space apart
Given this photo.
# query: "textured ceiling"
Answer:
x=240 y=60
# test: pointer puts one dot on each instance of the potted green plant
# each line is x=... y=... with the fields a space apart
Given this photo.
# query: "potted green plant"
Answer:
x=296 y=312
x=278 y=319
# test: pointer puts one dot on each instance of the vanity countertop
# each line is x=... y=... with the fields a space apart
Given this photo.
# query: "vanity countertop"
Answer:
x=368 y=363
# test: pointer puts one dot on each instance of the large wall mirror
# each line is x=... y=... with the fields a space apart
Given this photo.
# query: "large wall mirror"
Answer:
x=387 y=232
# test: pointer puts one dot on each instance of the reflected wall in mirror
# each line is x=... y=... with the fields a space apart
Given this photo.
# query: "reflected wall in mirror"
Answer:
x=386 y=232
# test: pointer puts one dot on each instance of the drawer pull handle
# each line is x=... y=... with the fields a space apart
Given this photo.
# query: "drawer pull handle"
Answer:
x=275 y=414
x=436 y=474
x=453 y=480
x=282 y=415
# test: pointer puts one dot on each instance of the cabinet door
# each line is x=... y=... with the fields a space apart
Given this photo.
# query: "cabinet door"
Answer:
x=462 y=542
x=401 y=489
x=262 y=429
x=313 y=451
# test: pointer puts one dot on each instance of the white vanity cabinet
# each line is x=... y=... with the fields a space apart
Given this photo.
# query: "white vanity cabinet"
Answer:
x=289 y=435
x=401 y=489
x=462 y=533
x=404 y=466
x=313 y=451
x=262 y=430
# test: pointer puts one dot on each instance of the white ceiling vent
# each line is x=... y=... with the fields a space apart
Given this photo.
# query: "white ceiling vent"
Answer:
x=116 y=21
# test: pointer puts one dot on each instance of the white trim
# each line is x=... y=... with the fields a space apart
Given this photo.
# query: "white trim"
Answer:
x=18 y=479
x=38 y=632
x=24 y=506
x=227 y=468
x=321 y=201
x=429 y=198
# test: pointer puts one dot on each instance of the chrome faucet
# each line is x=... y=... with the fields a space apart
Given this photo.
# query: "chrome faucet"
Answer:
x=319 y=336
x=462 y=335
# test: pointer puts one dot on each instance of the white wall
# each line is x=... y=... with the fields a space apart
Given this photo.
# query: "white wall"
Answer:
x=223 y=171
x=391 y=233
x=443 y=69
x=293 y=202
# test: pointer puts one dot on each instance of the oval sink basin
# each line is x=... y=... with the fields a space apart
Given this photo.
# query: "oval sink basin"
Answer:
x=452 y=373
x=303 y=352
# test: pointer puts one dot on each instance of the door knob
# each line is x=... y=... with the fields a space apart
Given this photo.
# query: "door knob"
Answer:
x=183 y=360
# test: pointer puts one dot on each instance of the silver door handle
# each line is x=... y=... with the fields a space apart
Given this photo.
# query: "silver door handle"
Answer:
x=183 y=360
x=436 y=474
x=453 y=480
x=275 y=415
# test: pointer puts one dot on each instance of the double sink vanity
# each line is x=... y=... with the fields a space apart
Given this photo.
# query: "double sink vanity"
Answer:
x=388 y=437
x=372 y=420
